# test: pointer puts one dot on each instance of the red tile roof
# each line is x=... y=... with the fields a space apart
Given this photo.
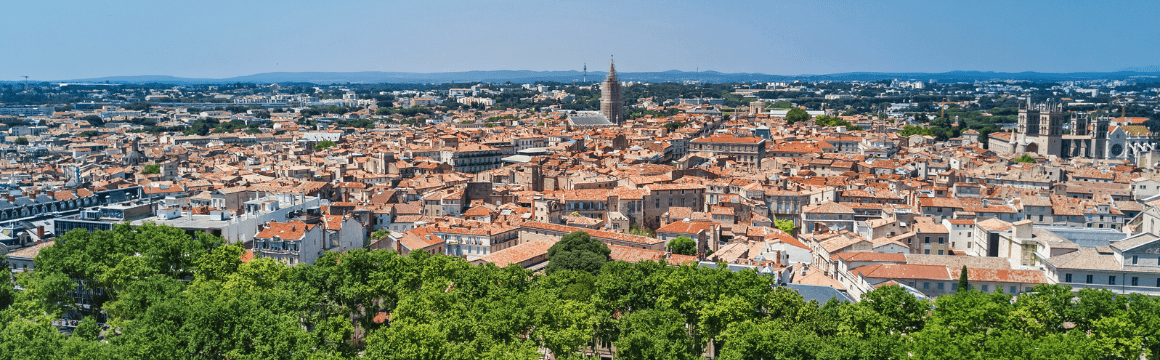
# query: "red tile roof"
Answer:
x=519 y=253
x=291 y=230
x=904 y=271
x=727 y=138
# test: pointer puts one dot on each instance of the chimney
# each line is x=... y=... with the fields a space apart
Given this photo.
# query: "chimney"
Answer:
x=39 y=233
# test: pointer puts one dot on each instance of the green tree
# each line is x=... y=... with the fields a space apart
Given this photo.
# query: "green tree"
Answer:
x=87 y=329
x=94 y=120
x=151 y=169
x=963 y=284
x=683 y=245
x=1025 y=158
x=985 y=137
x=785 y=225
x=220 y=263
x=783 y=104
x=21 y=141
x=796 y=114
x=769 y=340
x=379 y=234
x=109 y=261
x=7 y=289
x=578 y=251
x=324 y=144
x=655 y=334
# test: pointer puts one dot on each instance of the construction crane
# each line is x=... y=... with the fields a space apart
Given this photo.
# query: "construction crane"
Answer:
x=1123 y=106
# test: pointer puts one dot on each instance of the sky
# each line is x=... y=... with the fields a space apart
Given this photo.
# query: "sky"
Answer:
x=62 y=40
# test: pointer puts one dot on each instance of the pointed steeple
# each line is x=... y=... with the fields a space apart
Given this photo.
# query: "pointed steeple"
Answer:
x=610 y=97
x=611 y=68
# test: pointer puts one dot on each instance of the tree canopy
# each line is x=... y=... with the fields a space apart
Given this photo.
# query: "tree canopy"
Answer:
x=324 y=144
x=683 y=245
x=578 y=251
x=151 y=169
x=169 y=294
x=796 y=114
x=785 y=225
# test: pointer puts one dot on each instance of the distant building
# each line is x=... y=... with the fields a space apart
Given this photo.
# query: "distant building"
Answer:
x=744 y=150
x=27 y=111
x=611 y=103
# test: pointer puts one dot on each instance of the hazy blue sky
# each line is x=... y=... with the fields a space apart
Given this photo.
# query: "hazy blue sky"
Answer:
x=55 y=40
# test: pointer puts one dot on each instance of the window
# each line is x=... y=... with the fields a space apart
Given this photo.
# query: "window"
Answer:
x=954 y=286
x=928 y=251
x=940 y=252
x=1135 y=281
x=969 y=245
x=1111 y=280
x=1135 y=259
x=940 y=286
x=1014 y=290
x=1089 y=279
x=927 y=240
x=940 y=240
x=925 y=285
x=1066 y=277
x=985 y=288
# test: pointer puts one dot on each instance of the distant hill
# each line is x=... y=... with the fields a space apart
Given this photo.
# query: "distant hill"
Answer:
x=526 y=76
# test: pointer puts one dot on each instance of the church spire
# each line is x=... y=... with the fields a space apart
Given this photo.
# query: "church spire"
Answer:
x=611 y=67
x=611 y=103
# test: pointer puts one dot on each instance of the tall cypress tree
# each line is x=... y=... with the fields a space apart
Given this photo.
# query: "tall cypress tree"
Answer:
x=963 y=285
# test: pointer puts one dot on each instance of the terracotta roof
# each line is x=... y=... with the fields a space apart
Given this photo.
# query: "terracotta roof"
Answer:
x=519 y=253
x=291 y=230
x=31 y=251
x=727 y=138
x=415 y=239
x=815 y=276
x=870 y=256
x=1084 y=259
x=682 y=227
x=940 y=202
x=593 y=233
x=828 y=208
x=634 y=255
x=1006 y=275
x=993 y=224
x=904 y=271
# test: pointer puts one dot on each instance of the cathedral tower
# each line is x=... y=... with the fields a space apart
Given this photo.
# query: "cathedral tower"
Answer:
x=1029 y=119
x=611 y=104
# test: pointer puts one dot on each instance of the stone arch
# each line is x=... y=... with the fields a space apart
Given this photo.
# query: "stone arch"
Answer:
x=1033 y=148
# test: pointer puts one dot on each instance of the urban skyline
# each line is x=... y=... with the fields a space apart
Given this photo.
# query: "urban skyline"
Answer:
x=335 y=180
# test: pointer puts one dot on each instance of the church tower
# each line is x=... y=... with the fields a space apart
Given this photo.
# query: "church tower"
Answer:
x=1051 y=125
x=611 y=104
x=1029 y=119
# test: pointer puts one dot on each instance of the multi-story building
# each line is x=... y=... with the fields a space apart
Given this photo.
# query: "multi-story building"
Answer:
x=661 y=196
x=831 y=215
x=472 y=239
x=1127 y=266
x=472 y=158
x=749 y=150
x=290 y=243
